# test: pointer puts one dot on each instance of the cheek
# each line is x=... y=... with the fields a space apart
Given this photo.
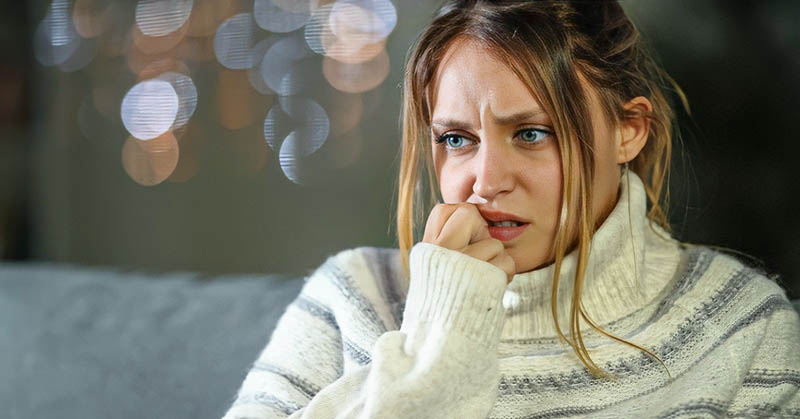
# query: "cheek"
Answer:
x=453 y=184
x=544 y=185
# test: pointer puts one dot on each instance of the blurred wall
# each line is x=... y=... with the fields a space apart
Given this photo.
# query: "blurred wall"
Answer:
x=230 y=206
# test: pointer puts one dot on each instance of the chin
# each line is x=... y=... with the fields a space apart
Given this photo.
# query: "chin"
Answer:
x=526 y=263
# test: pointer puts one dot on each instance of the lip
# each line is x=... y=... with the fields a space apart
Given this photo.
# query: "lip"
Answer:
x=504 y=234
x=507 y=233
x=496 y=216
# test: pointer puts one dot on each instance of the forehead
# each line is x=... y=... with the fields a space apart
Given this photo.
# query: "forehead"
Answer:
x=470 y=80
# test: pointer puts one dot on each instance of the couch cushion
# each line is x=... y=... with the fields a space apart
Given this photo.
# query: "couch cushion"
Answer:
x=82 y=342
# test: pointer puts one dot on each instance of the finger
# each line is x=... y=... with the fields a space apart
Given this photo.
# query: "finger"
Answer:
x=436 y=220
x=505 y=262
x=461 y=228
x=481 y=227
x=485 y=249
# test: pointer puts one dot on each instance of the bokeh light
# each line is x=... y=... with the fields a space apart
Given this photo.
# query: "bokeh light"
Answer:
x=58 y=23
x=55 y=39
x=92 y=18
x=151 y=162
x=292 y=159
x=299 y=115
x=358 y=77
x=351 y=31
x=187 y=96
x=254 y=73
x=157 y=18
x=149 y=108
x=157 y=44
x=285 y=67
x=300 y=66
x=273 y=18
x=167 y=64
x=234 y=40
x=362 y=21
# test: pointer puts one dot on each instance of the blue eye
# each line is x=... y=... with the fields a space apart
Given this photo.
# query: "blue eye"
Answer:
x=453 y=141
x=533 y=135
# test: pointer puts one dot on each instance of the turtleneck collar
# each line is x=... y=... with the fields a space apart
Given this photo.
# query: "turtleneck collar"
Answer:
x=616 y=283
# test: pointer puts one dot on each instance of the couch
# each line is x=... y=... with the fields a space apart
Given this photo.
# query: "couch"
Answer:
x=80 y=342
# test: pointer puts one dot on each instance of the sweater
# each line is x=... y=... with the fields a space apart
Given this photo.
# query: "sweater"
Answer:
x=458 y=341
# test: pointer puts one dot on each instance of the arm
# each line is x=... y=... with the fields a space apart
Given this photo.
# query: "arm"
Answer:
x=441 y=363
x=771 y=369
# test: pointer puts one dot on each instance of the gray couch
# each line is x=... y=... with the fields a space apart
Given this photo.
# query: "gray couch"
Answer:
x=81 y=342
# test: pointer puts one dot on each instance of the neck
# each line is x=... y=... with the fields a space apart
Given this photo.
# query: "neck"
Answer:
x=617 y=282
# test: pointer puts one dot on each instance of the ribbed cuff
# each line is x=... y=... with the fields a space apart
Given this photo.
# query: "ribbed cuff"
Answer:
x=454 y=293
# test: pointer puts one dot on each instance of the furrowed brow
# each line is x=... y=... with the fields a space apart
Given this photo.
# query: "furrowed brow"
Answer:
x=500 y=120
x=517 y=117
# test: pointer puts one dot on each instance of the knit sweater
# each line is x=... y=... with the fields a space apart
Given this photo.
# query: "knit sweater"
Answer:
x=457 y=341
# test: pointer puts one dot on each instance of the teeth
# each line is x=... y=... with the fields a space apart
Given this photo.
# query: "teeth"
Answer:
x=505 y=224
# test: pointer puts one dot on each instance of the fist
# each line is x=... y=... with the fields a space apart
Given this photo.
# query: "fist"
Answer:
x=461 y=227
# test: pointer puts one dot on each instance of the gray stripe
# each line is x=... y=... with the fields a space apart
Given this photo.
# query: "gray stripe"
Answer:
x=766 y=410
x=771 y=378
x=771 y=304
x=720 y=408
x=714 y=407
x=358 y=303
x=305 y=387
x=266 y=399
x=380 y=262
x=699 y=261
x=350 y=348
x=355 y=353
x=316 y=309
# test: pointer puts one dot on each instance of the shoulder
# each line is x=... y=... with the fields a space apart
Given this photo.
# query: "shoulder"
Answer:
x=366 y=280
x=362 y=264
x=722 y=275
x=726 y=291
x=366 y=257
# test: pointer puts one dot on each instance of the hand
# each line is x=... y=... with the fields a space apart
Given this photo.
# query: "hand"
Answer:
x=461 y=227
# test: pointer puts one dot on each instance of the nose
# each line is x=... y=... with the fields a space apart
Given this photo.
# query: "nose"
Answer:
x=493 y=171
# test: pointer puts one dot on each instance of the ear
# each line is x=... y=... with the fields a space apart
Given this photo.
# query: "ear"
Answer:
x=633 y=129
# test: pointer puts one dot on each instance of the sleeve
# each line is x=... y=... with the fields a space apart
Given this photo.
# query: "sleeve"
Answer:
x=442 y=363
x=771 y=364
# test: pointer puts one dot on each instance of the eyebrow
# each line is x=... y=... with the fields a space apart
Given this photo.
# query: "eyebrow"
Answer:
x=501 y=120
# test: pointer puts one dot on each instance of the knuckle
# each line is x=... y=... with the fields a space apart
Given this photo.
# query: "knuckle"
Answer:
x=496 y=246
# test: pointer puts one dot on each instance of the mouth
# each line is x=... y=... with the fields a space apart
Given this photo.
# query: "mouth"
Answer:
x=504 y=226
x=506 y=231
x=506 y=223
x=502 y=219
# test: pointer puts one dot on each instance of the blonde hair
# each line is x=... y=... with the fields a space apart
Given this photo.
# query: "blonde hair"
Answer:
x=550 y=46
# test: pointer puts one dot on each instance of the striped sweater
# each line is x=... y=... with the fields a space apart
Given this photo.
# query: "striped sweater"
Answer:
x=458 y=342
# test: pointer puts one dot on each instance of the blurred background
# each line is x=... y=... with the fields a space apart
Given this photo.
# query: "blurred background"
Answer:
x=226 y=136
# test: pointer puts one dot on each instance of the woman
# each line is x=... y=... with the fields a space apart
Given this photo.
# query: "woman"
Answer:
x=542 y=286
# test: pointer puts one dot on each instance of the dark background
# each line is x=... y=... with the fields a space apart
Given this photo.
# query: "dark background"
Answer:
x=64 y=195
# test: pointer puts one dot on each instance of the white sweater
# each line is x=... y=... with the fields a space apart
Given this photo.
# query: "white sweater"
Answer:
x=358 y=342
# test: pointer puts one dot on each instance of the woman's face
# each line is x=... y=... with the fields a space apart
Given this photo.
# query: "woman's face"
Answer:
x=499 y=151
